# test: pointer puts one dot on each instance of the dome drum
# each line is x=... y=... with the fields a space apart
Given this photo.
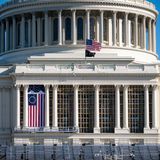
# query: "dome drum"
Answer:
x=72 y=27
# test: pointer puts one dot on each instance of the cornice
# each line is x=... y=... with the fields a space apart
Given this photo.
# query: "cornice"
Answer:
x=69 y=4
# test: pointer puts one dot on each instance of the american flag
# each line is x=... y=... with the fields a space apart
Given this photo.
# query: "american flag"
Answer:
x=36 y=109
x=92 y=45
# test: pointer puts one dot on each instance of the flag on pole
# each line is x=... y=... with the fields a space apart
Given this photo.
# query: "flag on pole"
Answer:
x=92 y=45
x=36 y=109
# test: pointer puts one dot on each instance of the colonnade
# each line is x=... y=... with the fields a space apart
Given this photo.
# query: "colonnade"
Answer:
x=96 y=107
x=134 y=27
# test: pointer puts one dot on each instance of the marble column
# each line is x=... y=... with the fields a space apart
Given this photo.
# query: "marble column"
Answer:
x=96 y=110
x=33 y=30
x=29 y=32
x=136 y=31
x=125 y=109
x=117 y=107
x=2 y=37
x=46 y=27
x=88 y=24
x=101 y=26
x=126 y=30
x=7 y=35
x=154 y=107
x=14 y=32
x=23 y=31
x=114 y=28
x=46 y=107
x=60 y=27
x=76 y=121
x=150 y=34
x=154 y=36
x=120 y=32
x=110 y=31
x=17 y=107
x=25 y=107
x=54 y=109
x=74 y=28
x=144 y=33
x=146 y=108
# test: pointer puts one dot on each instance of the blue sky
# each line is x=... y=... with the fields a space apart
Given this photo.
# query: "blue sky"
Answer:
x=157 y=3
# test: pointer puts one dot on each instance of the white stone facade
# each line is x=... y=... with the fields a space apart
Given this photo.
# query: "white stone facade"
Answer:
x=43 y=43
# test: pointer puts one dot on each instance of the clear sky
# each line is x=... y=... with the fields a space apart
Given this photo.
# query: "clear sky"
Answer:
x=157 y=3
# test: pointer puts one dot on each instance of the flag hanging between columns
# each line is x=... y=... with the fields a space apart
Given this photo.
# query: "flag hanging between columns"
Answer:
x=36 y=109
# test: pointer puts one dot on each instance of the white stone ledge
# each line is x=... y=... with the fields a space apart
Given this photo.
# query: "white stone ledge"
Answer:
x=86 y=68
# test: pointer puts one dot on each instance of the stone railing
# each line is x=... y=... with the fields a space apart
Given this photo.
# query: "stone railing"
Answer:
x=86 y=68
x=134 y=2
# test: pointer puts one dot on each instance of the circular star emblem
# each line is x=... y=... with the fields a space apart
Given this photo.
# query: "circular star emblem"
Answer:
x=32 y=99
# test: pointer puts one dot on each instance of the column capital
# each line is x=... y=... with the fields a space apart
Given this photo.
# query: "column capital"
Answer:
x=125 y=86
x=25 y=86
x=146 y=86
x=17 y=86
x=154 y=87
x=88 y=11
x=136 y=16
x=46 y=86
x=96 y=86
x=101 y=11
x=76 y=86
x=73 y=10
x=114 y=12
x=117 y=86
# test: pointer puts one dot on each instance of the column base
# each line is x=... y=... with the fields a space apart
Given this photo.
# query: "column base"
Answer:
x=150 y=130
x=121 y=130
x=76 y=129
x=96 y=130
x=46 y=129
x=54 y=129
x=118 y=130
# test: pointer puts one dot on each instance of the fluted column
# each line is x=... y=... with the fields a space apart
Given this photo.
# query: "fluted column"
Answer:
x=54 y=109
x=33 y=30
x=136 y=31
x=17 y=107
x=154 y=107
x=39 y=31
x=120 y=32
x=146 y=107
x=149 y=35
x=125 y=108
x=96 y=110
x=46 y=106
x=88 y=24
x=14 y=32
x=23 y=31
x=154 y=36
x=129 y=33
x=60 y=27
x=25 y=107
x=144 y=33
x=114 y=28
x=46 y=27
x=2 y=36
x=7 y=35
x=117 y=107
x=101 y=26
x=29 y=32
x=110 y=31
x=74 y=33
x=76 y=121
x=126 y=30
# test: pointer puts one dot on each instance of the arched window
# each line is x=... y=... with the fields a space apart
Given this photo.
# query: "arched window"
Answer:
x=92 y=28
x=68 y=29
x=55 y=29
x=80 y=28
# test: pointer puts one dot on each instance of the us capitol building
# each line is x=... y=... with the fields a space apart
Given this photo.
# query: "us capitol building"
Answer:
x=51 y=93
